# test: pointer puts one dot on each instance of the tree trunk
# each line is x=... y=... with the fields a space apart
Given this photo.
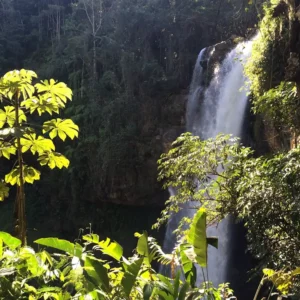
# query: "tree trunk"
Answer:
x=20 y=215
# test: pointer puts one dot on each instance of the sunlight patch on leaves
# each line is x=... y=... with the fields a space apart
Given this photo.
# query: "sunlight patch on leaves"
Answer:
x=53 y=160
x=61 y=128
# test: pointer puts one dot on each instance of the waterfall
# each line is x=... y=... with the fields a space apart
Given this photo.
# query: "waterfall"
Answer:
x=218 y=109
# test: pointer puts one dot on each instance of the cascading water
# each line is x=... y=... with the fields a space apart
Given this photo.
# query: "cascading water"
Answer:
x=222 y=105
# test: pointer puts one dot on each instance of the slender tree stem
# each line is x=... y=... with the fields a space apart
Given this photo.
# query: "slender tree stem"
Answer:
x=258 y=289
x=20 y=216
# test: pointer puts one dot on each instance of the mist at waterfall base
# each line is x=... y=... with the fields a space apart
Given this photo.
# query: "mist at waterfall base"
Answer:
x=218 y=108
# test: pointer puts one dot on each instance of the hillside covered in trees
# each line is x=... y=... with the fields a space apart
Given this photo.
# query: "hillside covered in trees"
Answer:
x=129 y=64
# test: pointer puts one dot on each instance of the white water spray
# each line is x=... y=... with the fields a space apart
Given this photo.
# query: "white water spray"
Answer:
x=222 y=110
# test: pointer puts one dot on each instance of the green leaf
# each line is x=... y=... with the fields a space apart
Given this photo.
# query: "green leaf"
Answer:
x=53 y=160
x=57 y=90
x=197 y=237
x=189 y=269
x=10 y=241
x=60 y=244
x=1 y=248
x=176 y=284
x=143 y=248
x=36 y=144
x=147 y=291
x=8 y=115
x=42 y=104
x=296 y=272
x=7 y=149
x=4 y=191
x=97 y=271
x=15 y=81
x=30 y=175
x=131 y=272
x=107 y=247
x=183 y=291
x=61 y=128
x=269 y=272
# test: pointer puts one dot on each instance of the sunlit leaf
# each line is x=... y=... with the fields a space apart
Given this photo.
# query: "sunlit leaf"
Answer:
x=61 y=128
x=131 y=272
x=8 y=115
x=4 y=191
x=197 y=237
x=54 y=160
x=36 y=144
x=30 y=175
x=107 y=247
x=97 y=271
x=60 y=244
x=10 y=241
x=57 y=90
x=7 y=149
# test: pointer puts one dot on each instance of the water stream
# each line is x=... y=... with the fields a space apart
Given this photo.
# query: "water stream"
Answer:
x=218 y=108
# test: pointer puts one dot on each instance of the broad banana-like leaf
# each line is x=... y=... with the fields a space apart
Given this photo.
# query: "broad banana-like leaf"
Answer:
x=131 y=272
x=176 y=284
x=97 y=272
x=183 y=291
x=143 y=248
x=10 y=241
x=166 y=282
x=189 y=269
x=197 y=237
x=63 y=245
x=147 y=291
x=112 y=249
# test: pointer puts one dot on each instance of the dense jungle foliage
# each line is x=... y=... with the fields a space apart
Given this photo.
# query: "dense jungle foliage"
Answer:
x=126 y=61
x=261 y=191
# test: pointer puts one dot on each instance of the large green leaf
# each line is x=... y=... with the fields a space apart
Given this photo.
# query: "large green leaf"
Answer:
x=30 y=175
x=56 y=90
x=97 y=272
x=61 y=128
x=131 y=272
x=8 y=115
x=143 y=248
x=4 y=191
x=53 y=160
x=10 y=241
x=107 y=247
x=147 y=291
x=41 y=104
x=15 y=81
x=60 y=244
x=197 y=237
x=189 y=269
x=36 y=144
x=183 y=291
x=7 y=149
x=176 y=284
